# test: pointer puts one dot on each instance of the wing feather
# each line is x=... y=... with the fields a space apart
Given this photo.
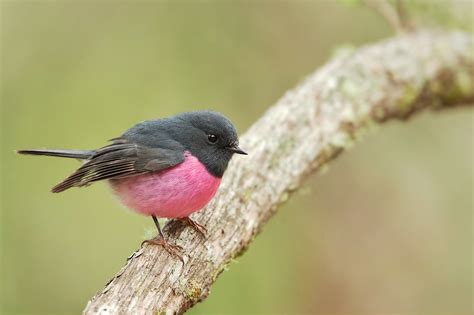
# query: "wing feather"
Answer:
x=121 y=159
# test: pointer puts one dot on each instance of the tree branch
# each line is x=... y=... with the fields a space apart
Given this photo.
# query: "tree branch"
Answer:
x=393 y=16
x=308 y=127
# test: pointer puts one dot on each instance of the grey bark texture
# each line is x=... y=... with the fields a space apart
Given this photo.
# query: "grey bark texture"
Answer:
x=306 y=128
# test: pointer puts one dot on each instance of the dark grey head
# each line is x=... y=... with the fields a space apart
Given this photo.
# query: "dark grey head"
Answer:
x=207 y=135
x=210 y=137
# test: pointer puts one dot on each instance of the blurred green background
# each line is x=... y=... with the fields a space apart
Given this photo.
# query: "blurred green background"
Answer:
x=387 y=230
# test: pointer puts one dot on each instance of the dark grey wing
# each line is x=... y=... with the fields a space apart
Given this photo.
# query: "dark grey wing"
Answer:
x=121 y=159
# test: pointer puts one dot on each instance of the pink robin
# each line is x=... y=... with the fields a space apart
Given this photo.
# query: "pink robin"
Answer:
x=167 y=168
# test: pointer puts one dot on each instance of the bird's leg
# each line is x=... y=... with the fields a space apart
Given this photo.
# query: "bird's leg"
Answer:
x=196 y=226
x=160 y=240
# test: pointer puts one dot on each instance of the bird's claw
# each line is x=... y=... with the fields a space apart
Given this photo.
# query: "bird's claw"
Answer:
x=172 y=249
x=196 y=226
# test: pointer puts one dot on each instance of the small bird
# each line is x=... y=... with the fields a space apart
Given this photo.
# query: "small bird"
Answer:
x=166 y=168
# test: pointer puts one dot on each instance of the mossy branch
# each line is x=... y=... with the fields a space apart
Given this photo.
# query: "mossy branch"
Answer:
x=305 y=129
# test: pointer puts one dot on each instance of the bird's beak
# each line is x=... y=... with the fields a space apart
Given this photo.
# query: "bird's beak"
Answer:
x=236 y=149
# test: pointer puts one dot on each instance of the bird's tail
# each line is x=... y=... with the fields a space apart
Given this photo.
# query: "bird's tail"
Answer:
x=75 y=154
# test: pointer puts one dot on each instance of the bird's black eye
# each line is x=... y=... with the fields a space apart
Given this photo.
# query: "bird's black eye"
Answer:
x=212 y=138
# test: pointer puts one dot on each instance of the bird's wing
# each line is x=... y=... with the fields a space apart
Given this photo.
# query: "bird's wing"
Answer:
x=121 y=159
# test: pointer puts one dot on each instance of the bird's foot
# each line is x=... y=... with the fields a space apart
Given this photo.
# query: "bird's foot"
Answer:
x=172 y=249
x=201 y=230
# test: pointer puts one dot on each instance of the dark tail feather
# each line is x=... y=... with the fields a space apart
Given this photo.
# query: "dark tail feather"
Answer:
x=75 y=154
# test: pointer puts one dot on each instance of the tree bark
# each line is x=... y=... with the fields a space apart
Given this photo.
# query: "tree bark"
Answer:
x=305 y=129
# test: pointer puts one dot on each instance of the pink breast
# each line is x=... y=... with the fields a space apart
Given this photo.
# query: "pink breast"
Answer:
x=173 y=193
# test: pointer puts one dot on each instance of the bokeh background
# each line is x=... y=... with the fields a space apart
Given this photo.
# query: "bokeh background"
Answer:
x=387 y=230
